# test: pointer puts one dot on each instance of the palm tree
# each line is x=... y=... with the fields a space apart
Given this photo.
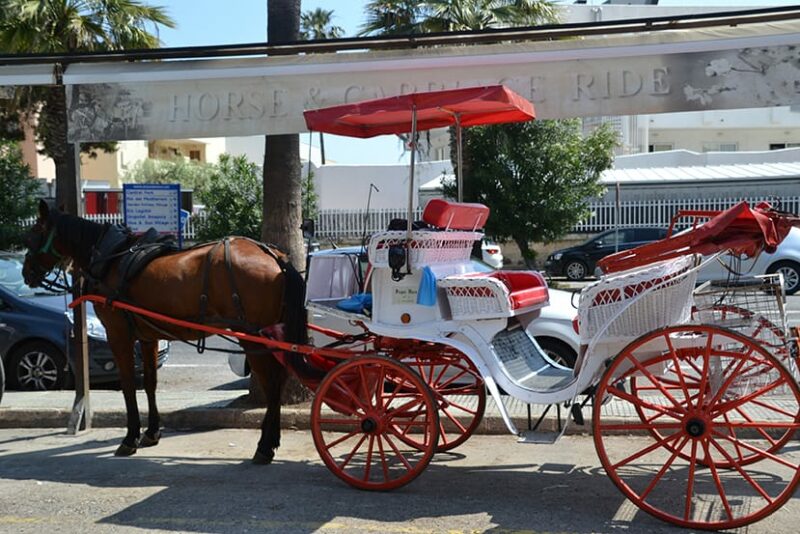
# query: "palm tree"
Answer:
x=317 y=24
x=398 y=17
x=65 y=26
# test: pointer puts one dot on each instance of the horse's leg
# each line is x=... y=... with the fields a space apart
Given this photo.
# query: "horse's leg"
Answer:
x=270 y=375
x=152 y=435
x=122 y=347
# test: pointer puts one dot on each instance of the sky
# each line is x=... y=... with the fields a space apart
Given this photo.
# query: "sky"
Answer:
x=216 y=22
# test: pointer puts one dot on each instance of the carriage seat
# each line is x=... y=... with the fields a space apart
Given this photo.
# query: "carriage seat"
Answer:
x=497 y=293
x=446 y=215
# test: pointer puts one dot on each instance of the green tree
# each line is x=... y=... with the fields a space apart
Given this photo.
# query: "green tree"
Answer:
x=310 y=197
x=63 y=26
x=190 y=174
x=18 y=194
x=537 y=177
x=318 y=24
x=233 y=199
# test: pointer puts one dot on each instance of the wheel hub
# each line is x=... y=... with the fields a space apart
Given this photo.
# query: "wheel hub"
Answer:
x=369 y=425
x=695 y=427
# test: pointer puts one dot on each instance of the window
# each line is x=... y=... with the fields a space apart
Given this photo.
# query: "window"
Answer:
x=659 y=147
x=781 y=146
x=720 y=147
x=194 y=155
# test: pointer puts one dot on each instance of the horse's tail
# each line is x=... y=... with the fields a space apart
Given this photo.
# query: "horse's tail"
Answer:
x=295 y=324
x=294 y=311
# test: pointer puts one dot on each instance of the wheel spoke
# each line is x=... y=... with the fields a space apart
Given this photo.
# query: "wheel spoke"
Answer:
x=369 y=457
x=384 y=465
x=647 y=450
x=687 y=512
x=654 y=380
x=717 y=481
x=678 y=371
x=352 y=452
x=704 y=373
x=640 y=426
x=742 y=472
x=454 y=420
x=730 y=405
x=344 y=388
x=760 y=452
x=774 y=408
x=663 y=469
x=397 y=451
x=640 y=402
x=728 y=381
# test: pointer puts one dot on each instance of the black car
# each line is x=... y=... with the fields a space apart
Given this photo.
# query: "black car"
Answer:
x=578 y=262
x=35 y=325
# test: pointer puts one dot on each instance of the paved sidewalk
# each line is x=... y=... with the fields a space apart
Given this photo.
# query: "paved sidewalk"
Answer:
x=205 y=409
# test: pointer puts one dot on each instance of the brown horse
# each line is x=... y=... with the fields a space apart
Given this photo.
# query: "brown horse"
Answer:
x=200 y=284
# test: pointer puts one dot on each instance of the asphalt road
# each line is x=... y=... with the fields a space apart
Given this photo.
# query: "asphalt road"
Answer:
x=204 y=482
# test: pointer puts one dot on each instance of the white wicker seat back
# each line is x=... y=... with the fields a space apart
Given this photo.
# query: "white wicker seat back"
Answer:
x=634 y=302
x=426 y=247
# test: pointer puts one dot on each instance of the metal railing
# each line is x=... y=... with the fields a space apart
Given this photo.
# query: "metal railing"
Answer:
x=353 y=224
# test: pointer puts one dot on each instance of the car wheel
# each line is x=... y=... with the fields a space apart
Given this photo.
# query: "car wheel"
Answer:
x=791 y=275
x=558 y=351
x=575 y=270
x=37 y=366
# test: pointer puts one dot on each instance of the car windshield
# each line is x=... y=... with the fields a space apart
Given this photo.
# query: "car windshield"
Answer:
x=11 y=278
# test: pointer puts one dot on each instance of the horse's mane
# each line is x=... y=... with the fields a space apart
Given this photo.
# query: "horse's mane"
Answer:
x=79 y=234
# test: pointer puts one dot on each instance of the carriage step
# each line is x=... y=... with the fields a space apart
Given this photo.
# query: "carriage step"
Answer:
x=538 y=437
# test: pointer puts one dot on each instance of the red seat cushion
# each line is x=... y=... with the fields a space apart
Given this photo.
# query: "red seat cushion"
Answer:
x=526 y=288
x=455 y=215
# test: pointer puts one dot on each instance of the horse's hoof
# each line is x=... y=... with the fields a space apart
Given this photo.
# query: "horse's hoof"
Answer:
x=125 y=450
x=147 y=441
x=261 y=458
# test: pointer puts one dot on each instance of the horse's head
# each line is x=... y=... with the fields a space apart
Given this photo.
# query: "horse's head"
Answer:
x=43 y=249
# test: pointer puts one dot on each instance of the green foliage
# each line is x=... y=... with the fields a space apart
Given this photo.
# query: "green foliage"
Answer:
x=318 y=24
x=233 y=198
x=309 y=196
x=18 y=194
x=399 y=17
x=536 y=176
x=190 y=174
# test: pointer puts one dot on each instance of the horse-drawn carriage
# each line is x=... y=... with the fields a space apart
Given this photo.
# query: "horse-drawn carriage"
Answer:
x=707 y=377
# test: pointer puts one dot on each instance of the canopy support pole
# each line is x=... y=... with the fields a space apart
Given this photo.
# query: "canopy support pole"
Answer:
x=410 y=218
x=459 y=159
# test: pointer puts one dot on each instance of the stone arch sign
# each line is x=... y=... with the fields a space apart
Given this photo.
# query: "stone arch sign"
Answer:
x=709 y=69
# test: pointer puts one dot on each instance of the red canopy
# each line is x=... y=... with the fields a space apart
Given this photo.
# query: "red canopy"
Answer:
x=474 y=105
x=743 y=229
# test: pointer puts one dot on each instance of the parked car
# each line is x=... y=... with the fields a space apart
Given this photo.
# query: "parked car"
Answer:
x=339 y=272
x=785 y=260
x=491 y=254
x=35 y=326
x=578 y=262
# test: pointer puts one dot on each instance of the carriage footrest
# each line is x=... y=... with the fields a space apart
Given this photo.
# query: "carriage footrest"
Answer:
x=538 y=437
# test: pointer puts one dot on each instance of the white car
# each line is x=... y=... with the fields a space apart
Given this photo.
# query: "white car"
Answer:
x=338 y=271
x=785 y=260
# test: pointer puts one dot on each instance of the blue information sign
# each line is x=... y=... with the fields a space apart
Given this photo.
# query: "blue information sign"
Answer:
x=153 y=206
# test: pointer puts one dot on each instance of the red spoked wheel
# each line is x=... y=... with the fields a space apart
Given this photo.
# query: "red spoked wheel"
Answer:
x=356 y=416
x=459 y=391
x=732 y=404
x=764 y=332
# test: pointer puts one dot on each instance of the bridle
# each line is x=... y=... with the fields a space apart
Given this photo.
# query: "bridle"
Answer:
x=38 y=270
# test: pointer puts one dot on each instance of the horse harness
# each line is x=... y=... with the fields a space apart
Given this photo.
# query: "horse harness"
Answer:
x=133 y=258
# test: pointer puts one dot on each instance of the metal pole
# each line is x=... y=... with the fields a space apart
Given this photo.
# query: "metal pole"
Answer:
x=459 y=159
x=411 y=172
x=616 y=218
